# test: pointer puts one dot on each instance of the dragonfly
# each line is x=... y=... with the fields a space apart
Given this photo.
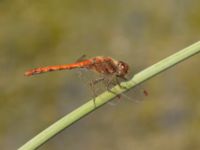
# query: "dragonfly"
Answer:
x=101 y=64
x=106 y=66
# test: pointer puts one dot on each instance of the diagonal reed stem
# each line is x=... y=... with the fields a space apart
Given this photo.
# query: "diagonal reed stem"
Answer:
x=87 y=108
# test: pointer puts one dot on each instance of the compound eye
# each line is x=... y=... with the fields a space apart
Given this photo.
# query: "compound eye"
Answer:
x=122 y=66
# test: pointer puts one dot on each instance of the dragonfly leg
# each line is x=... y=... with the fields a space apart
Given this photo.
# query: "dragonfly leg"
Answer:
x=124 y=78
x=108 y=84
x=118 y=83
x=115 y=81
x=92 y=84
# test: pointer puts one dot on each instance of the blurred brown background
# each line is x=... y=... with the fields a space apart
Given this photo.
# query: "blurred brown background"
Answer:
x=49 y=32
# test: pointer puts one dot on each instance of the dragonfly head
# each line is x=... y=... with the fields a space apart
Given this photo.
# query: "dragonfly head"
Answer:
x=123 y=69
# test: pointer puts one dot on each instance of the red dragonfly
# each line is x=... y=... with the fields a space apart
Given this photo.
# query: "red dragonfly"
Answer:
x=100 y=64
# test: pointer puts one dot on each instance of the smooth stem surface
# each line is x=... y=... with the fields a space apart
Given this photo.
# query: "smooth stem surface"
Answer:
x=85 y=109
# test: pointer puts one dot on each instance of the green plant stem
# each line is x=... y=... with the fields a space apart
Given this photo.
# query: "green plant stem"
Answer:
x=87 y=108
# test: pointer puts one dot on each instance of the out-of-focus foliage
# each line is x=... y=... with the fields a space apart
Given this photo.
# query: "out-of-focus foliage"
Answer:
x=48 y=32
